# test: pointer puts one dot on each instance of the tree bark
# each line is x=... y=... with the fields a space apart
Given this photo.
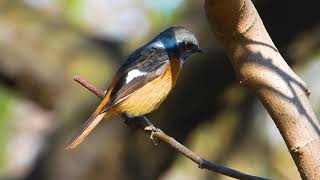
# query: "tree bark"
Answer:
x=260 y=67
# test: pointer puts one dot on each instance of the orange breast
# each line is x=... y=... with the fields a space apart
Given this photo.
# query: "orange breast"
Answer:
x=151 y=95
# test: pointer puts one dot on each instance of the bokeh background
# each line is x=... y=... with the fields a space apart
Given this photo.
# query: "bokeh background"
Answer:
x=44 y=43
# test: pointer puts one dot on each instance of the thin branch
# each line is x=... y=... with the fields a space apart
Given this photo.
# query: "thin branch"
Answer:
x=201 y=162
x=89 y=86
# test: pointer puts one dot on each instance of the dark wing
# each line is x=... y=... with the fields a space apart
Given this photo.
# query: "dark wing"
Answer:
x=151 y=63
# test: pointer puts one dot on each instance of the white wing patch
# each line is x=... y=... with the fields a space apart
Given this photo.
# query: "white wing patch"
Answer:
x=133 y=74
x=159 y=44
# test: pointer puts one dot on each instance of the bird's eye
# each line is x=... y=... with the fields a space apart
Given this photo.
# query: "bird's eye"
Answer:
x=188 y=45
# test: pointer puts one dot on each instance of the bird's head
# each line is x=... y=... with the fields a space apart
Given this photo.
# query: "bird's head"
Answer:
x=179 y=41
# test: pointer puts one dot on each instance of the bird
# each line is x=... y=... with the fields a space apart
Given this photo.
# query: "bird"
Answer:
x=145 y=79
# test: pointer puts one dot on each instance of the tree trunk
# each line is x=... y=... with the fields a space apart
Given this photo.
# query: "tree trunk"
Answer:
x=260 y=68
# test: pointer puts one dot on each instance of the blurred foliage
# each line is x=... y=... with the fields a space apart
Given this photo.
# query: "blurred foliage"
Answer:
x=44 y=43
x=5 y=107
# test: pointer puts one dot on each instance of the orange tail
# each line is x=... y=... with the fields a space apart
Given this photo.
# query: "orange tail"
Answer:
x=91 y=123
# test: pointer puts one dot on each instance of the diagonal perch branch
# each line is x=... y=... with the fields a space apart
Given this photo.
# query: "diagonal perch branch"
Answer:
x=201 y=162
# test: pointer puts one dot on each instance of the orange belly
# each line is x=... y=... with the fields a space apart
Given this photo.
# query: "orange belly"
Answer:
x=147 y=98
x=151 y=95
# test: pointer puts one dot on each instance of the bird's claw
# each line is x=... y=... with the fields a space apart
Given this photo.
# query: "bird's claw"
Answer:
x=153 y=131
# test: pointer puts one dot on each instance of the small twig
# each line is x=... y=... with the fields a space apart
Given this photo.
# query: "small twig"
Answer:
x=89 y=86
x=202 y=163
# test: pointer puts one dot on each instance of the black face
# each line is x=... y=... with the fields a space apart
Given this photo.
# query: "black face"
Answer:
x=187 y=48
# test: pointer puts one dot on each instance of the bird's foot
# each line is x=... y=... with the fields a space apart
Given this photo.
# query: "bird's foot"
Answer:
x=153 y=130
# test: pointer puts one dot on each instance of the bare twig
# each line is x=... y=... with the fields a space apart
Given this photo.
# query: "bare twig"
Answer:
x=89 y=86
x=201 y=162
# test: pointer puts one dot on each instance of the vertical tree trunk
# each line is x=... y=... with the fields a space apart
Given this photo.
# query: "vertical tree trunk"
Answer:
x=260 y=68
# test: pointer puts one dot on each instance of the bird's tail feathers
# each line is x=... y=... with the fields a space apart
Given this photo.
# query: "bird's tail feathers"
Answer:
x=90 y=124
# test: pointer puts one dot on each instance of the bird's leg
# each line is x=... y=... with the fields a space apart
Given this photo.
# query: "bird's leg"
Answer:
x=151 y=128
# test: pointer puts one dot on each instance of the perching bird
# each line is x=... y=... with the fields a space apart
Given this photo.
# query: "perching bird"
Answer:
x=145 y=79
